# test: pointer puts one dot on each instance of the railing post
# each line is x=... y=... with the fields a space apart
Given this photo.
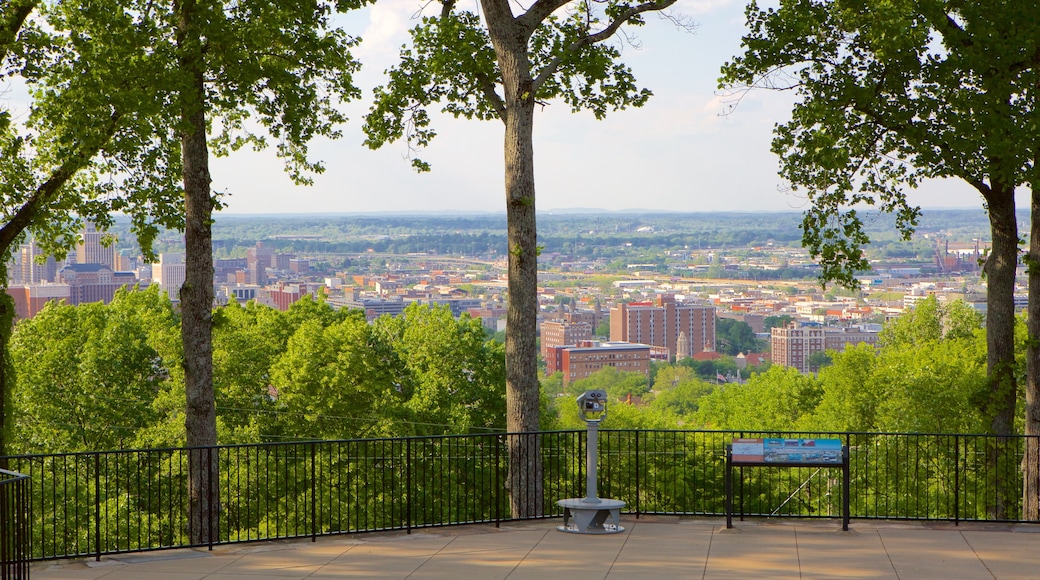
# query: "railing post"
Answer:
x=408 y=484
x=956 y=480
x=497 y=499
x=314 y=489
x=97 y=507
x=210 y=512
x=638 y=494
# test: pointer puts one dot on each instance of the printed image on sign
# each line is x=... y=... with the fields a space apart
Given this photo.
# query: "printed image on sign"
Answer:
x=814 y=451
x=748 y=450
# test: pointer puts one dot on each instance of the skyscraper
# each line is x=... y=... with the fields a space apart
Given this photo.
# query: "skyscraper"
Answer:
x=89 y=250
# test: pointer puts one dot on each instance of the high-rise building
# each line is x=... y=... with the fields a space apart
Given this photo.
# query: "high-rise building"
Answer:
x=558 y=333
x=89 y=250
x=258 y=260
x=659 y=323
x=793 y=345
x=169 y=274
x=32 y=270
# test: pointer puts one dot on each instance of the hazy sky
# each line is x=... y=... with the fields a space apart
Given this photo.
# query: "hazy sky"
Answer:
x=680 y=152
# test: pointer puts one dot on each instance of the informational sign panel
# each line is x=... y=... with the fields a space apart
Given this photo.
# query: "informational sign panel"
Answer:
x=769 y=452
x=749 y=450
x=787 y=451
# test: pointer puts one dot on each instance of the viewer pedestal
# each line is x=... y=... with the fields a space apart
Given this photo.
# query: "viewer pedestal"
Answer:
x=599 y=517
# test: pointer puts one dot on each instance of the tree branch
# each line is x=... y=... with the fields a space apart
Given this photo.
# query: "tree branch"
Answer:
x=46 y=191
x=11 y=20
x=596 y=37
x=486 y=86
x=530 y=21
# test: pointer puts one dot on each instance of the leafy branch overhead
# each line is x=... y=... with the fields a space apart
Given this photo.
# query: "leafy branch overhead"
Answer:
x=891 y=93
x=452 y=61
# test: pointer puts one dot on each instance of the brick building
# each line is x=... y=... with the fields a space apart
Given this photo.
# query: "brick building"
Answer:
x=93 y=282
x=580 y=361
x=659 y=323
x=792 y=346
x=29 y=299
x=560 y=333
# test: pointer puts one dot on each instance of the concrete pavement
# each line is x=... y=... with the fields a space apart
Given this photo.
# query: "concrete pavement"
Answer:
x=650 y=547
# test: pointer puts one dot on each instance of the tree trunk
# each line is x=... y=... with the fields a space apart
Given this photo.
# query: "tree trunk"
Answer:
x=1031 y=457
x=196 y=293
x=522 y=387
x=1000 y=338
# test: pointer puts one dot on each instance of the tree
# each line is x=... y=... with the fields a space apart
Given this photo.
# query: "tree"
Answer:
x=735 y=336
x=774 y=321
x=780 y=399
x=338 y=381
x=930 y=320
x=457 y=374
x=48 y=157
x=88 y=374
x=895 y=93
x=505 y=71
x=819 y=359
x=146 y=81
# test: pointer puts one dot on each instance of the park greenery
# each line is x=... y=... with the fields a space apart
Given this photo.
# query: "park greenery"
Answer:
x=100 y=376
x=128 y=100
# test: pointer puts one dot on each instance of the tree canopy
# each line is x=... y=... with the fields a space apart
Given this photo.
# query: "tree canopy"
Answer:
x=893 y=93
x=502 y=65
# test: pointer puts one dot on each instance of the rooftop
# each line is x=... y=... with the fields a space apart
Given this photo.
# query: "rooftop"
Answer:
x=650 y=547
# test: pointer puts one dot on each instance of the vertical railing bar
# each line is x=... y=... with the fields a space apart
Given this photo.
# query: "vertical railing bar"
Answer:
x=97 y=507
x=408 y=485
x=314 y=488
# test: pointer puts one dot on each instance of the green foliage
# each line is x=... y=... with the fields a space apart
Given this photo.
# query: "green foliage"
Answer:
x=458 y=374
x=779 y=399
x=890 y=94
x=88 y=375
x=735 y=336
x=682 y=400
x=929 y=321
x=618 y=384
x=777 y=321
x=337 y=381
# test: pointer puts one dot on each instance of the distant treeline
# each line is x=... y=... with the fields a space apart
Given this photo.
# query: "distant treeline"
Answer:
x=590 y=235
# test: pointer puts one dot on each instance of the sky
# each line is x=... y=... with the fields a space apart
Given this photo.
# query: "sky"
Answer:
x=684 y=151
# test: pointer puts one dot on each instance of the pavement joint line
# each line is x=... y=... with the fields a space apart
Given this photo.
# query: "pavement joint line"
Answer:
x=348 y=548
x=707 y=554
x=887 y=555
x=981 y=561
x=797 y=553
x=528 y=553
x=630 y=529
x=431 y=556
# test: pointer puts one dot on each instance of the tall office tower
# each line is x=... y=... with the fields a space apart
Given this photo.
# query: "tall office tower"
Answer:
x=90 y=251
x=169 y=274
x=258 y=260
x=31 y=270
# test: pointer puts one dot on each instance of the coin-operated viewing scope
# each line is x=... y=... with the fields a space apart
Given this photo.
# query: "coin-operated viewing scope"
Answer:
x=591 y=514
x=592 y=405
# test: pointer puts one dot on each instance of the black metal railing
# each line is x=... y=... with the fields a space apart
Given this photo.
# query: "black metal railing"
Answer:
x=120 y=501
x=15 y=518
